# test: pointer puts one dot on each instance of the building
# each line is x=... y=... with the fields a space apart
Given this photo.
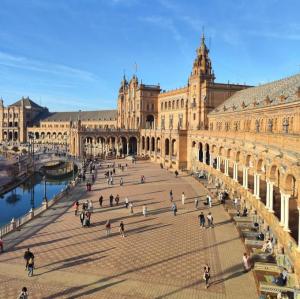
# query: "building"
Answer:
x=246 y=138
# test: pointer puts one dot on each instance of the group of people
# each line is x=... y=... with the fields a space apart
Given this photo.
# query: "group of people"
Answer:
x=209 y=219
x=85 y=215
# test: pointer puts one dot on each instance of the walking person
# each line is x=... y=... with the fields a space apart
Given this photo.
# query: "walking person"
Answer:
x=202 y=220
x=117 y=199
x=183 y=198
x=81 y=217
x=101 y=200
x=76 y=206
x=196 y=202
x=206 y=275
x=210 y=220
x=1 y=245
x=108 y=228
x=121 y=182
x=131 y=207
x=90 y=206
x=209 y=201
x=145 y=210
x=126 y=202
x=27 y=256
x=111 y=200
x=171 y=195
x=30 y=266
x=174 y=208
x=246 y=262
x=122 y=229
x=23 y=294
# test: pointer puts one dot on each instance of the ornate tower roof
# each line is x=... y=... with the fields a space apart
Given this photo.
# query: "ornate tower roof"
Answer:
x=202 y=63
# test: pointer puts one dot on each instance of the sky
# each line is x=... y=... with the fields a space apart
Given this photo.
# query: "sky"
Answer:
x=71 y=55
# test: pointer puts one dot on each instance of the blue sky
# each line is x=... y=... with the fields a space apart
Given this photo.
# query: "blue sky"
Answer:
x=71 y=54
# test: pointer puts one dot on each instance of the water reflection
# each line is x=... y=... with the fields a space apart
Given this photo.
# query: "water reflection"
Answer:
x=30 y=194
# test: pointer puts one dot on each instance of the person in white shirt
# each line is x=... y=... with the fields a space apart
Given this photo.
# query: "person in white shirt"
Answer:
x=183 y=198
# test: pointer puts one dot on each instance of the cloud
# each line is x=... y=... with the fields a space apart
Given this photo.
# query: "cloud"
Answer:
x=164 y=23
x=21 y=62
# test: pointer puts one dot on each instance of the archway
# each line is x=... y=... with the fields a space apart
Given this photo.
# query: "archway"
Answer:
x=174 y=149
x=207 y=154
x=124 y=145
x=147 y=144
x=200 y=154
x=15 y=136
x=167 y=147
x=132 y=145
x=143 y=142
x=158 y=146
x=150 y=121
x=152 y=144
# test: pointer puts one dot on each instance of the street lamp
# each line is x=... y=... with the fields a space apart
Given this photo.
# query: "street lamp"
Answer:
x=45 y=189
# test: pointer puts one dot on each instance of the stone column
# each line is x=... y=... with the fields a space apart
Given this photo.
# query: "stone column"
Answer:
x=235 y=171
x=127 y=143
x=211 y=160
x=218 y=163
x=268 y=194
x=286 y=212
x=271 y=199
x=226 y=165
x=282 y=202
x=204 y=157
x=298 y=228
x=257 y=185
x=245 y=177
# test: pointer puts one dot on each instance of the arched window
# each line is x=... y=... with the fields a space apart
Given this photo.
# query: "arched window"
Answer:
x=182 y=103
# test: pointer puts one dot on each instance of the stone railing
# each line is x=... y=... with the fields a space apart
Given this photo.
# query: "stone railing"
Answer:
x=16 y=223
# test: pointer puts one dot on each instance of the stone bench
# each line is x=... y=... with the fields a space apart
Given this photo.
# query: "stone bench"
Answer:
x=245 y=225
x=242 y=219
x=249 y=234
x=267 y=267
x=254 y=243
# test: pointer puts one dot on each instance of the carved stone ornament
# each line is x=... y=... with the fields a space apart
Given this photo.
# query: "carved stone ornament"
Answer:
x=268 y=100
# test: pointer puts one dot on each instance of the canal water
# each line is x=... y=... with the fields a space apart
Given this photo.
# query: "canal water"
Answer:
x=30 y=194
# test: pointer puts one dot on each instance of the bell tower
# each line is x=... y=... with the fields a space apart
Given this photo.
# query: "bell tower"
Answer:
x=201 y=76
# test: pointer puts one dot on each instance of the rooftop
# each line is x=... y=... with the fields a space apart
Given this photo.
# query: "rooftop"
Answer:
x=273 y=93
x=83 y=115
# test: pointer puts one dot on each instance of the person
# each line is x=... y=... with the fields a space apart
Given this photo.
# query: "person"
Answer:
x=176 y=173
x=206 y=275
x=174 y=208
x=27 y=256
x=183 y=198
x=196 y=202
x=117 y=199
x=108 y=228
x=131 y=207
x=202 y=219
x=30 y=266
x=122 y=229
x=260 y=236
x=121 y=181
x=76 y=205
x=1 y=244
x=101 y=200
x=281 y=279
x=145 y=210
x=111 y=200
x=210 y=220
x=267 y=246
x=126 y=202
x=209 y=201
x=245 y=212
x=142 y=179
x=90 y=206
x=235 y=202
x=23 y=294
x=81 y=217
x=246 y=262
x=171 y=195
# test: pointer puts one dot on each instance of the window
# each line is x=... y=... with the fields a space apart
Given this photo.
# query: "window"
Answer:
x=152 y=107
x=194 y=116
x=166 y=105
x=180 y=121
x=177 y=104
x=171 y=121
x=162 y=122
x=182 y=103
x=173 y=105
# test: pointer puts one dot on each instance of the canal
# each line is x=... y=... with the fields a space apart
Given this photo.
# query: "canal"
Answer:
x=30 y=194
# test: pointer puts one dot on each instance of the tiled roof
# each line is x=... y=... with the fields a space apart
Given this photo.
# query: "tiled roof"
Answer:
x=27 y=103
x=83 y=115
x=276 y=92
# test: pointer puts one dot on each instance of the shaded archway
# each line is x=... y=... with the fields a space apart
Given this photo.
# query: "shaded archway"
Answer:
x=143 y=143
x=132 y=145
x=174 y=149
x=147 y=144
x=152 y=144
x=200 y=153
x=207 y=154
x=150 y=121
x=167 y=147
x=158 y=145
x=291 y=187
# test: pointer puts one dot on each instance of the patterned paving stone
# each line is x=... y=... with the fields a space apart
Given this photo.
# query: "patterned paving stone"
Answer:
x=162 y=256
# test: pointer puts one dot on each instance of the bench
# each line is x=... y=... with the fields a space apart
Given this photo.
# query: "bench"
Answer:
x=242 y=219
x=267 y=267
x=254 y=243
x=244 y=225
x=249 y=234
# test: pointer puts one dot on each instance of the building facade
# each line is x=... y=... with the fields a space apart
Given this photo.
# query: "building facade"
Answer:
x=246 y=138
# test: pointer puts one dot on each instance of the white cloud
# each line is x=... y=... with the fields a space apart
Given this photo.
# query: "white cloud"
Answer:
x=20 y=62
x=164 y=23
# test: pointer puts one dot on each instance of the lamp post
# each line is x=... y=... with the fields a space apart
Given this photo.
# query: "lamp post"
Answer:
x=45 y=189
x=31 y=142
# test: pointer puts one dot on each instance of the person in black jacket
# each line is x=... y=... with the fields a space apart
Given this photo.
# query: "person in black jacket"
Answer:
x=27 y=256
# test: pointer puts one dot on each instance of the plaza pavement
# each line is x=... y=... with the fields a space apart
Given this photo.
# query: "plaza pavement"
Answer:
x=162 y=256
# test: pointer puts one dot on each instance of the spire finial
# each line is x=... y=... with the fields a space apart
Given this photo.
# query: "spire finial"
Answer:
x=203 y=36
